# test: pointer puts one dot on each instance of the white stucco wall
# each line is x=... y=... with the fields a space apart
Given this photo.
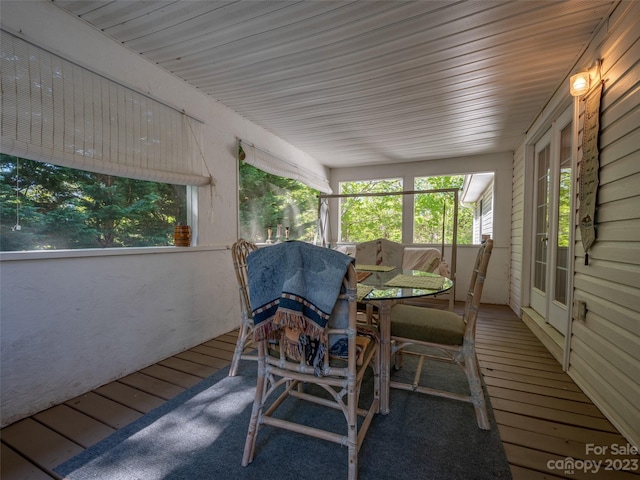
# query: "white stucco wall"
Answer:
x=73 y=323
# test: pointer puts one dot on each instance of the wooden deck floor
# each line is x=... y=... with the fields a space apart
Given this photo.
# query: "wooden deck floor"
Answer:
x=542 y=415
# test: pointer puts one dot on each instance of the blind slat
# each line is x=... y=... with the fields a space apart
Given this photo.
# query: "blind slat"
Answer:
x=58 y=112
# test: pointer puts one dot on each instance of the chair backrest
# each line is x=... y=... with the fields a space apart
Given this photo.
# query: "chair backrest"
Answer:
x=304 y=298
x=421 y=258
x=380 y=252
x=239 y=250
x=474 y=294
x=339 y=330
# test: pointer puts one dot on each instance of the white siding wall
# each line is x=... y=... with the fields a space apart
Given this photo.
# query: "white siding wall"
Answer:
x=605 y=348
x=487 y=212
x=517 y=227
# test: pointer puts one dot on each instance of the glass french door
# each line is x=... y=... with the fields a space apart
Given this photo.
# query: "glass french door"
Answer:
x=552 y=233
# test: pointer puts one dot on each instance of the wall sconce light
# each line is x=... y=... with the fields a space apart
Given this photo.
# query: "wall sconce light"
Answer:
x=580 y=83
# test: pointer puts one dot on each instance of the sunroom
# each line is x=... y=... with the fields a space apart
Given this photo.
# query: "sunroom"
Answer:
x=326 y=93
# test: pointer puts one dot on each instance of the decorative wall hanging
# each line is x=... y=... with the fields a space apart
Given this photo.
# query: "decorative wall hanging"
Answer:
x=589 y=166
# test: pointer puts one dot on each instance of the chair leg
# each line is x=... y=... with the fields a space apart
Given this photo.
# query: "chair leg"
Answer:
x=398 y=360
x=256 y=412
x=477 y=393
x=243 y=335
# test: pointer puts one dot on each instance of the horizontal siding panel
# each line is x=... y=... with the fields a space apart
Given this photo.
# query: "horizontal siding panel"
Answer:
x=618 y=68
x=619 y=128
x=623 y=339
x=622 y=147
x=622 y=252
x=618 y=273
x=623 y=230
x=623 y=209
x=623 y=414
x=625 y=363
x=622 y=295
x=622 y=188
x=622 y=117
x=617 y=315
x=620 y=168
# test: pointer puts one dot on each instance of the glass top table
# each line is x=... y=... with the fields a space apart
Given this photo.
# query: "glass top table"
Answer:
x=385 y=288
x=398 y=284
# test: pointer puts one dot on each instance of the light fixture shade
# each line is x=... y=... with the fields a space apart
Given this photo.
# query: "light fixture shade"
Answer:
x=579 y=84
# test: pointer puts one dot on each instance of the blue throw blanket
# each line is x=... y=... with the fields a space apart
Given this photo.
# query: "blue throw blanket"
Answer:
x=295 y=285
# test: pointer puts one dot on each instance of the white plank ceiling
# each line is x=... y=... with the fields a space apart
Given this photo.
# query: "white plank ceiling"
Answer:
x=356 y=83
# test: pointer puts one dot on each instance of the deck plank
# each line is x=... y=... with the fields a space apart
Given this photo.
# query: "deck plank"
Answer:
x=224 y=346
x=203 y=359
x=554 y=429
x=171 y=375
x=15 y=467
x=187 y=366
x=130 y=397
x=213 y=352
x=537 y=460
x=77 y=426
x=41 y=445
x=151 y=385
x=495 y=381
x=502 y=359
x=524 y=370
x=555 y=445
x=555 y=403
x=522 y=377
x=558 y=416
x=105 y=410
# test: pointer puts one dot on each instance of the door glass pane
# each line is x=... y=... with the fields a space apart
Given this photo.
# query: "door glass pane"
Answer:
x=564 y=216
x=542 y=218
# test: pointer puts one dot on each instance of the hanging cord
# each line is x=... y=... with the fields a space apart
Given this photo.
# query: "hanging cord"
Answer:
x=17 y=227
x=444 y=221
x=212 y=184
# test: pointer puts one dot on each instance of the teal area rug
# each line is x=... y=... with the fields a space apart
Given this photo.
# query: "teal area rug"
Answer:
x=200 y=435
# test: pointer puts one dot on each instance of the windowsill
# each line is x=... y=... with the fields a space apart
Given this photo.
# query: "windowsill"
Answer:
x=102 y=252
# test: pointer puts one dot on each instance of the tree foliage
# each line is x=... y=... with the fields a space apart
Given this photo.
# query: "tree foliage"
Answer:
x=365 y=218
x=45 y=206
x=433 y=212
x=267 y=201
x=369 y=217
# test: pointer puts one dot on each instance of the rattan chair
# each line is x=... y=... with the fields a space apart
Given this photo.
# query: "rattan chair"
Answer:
x=337 y=386
x=450 y=334
x=239 y=252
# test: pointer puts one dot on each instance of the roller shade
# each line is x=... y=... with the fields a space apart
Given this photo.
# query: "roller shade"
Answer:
x=58 y=112
x=269 y=163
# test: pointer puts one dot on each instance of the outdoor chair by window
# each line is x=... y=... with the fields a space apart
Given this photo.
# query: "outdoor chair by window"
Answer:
x=239 y=252
x=448 y=333
x=318 y=356
x=380 y=252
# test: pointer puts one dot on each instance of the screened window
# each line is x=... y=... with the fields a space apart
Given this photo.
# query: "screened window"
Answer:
x=50 y=207
x=369 y=217
x=275 y=208
x=374 y=214
x=433 y=214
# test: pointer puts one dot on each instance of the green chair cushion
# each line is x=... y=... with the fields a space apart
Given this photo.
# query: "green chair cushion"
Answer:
x=427 y=324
